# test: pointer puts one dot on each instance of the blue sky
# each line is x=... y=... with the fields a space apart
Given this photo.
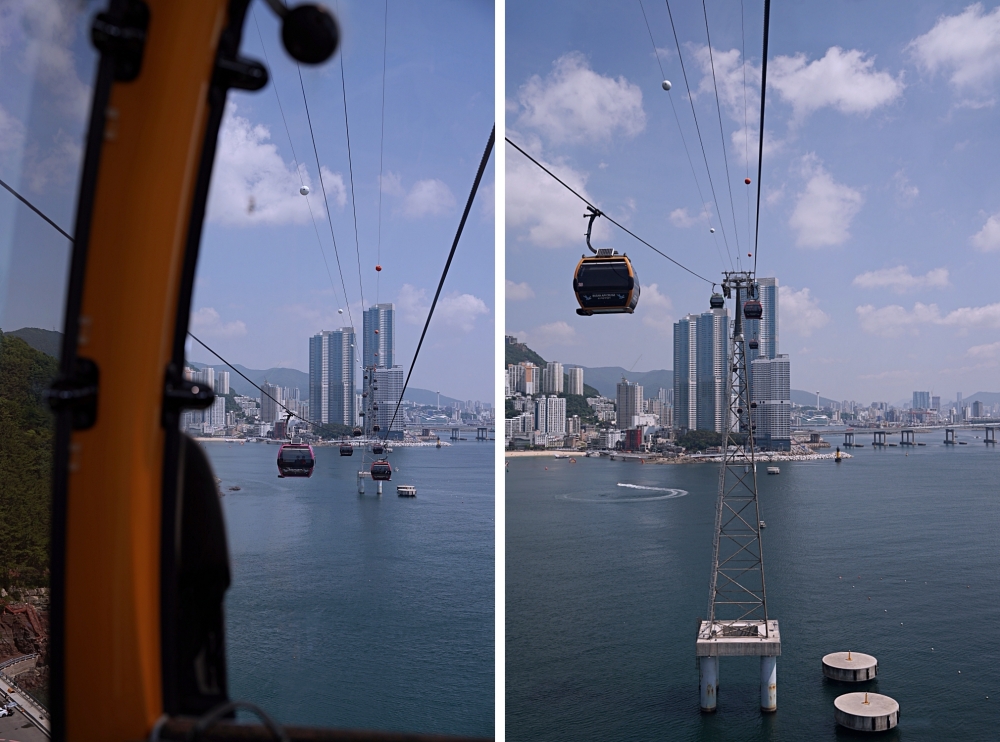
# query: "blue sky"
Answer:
x=880 y=213
x=262 y=287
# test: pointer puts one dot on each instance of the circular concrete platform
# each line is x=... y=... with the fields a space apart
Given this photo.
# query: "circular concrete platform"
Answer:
x=866 y=712
x=850 y=667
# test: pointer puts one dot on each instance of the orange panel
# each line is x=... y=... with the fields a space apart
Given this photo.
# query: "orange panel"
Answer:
x=153 y=142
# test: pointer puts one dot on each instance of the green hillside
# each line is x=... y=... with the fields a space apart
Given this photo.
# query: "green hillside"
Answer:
x=514 y=354
x=48 y=342
x=26 y=438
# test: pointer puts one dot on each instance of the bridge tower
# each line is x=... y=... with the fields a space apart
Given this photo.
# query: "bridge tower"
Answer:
x=738 y=623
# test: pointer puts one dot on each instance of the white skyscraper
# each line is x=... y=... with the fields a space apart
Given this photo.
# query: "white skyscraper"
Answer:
x=552 y=378
x=575 y=374
x=379 y=334
x=390 y=389
x=550 y=416
x=772 y=393
x=686 y=372
x=222 y=382
x=332 y=389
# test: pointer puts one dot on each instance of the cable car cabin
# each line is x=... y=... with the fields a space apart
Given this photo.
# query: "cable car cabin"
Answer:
x=381 y=471
x=346 y=449
x=378 y=449
x=295 y=460
x=357 y=432
x=717 y=301
x=752 y=309
x=754 y=344
x=606 y=284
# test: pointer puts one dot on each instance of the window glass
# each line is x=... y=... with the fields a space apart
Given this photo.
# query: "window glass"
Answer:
x=46 y=69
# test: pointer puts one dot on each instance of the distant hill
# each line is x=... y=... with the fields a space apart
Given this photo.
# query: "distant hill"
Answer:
x=521 y=352
x=48 y=342
x=606 y=379
x=984 y=397
x=808 y=399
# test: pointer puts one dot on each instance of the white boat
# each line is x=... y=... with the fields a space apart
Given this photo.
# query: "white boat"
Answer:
x=762 y=524
x=406 y=490
x=560 y=455
x=773 y=470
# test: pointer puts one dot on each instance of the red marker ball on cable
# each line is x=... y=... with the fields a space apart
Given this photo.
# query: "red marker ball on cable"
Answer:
x=378 y=267
x=747 y=181
x=749 y=255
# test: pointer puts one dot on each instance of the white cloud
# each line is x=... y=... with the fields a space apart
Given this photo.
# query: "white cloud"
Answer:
x=894 y=320
x=844 y=80
x=825 y=209
x=906 y=192
x=901 y=280
x=992 y=350
x=517 y=291
x=59 y=165
x=207 y=322
x=392 y=184
x=574 y=104
x=551 y=215
x=987 y=239
x=681 y=217
x=252 y=184
x=11 y=132
x=966 y=47
x=430 y=197
x=656 y=309
x=800 y=312
x=458 y=311
x=554 y=333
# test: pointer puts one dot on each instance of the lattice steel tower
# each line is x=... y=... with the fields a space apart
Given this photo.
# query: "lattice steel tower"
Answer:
x=738 y=623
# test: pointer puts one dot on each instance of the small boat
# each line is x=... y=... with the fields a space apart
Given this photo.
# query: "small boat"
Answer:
x=560 y=455
x=234 y=488
x=406 y=490
x=963 y=443
x=572 y=461
x=438 y=443
x=762 y=524
x=773 y=470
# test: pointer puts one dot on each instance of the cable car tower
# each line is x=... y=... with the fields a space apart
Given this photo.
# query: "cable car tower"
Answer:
x=380 y=470
x=738 y=624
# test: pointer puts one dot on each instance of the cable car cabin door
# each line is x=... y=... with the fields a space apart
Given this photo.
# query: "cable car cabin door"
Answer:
x=127 y=485
x=606 y=285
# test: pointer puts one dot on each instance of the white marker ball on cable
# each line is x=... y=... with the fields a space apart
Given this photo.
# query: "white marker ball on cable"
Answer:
x=304 y=190
x=667 y=85
x=340 y=311
x=712 y=230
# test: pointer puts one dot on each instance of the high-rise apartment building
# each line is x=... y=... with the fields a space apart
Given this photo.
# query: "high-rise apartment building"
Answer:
x=686 y=373
x=575 y=378
x=921 y=400
x=712 y=369
x=332 y=388
x=531 y=381
x=550 y=416
x=221 y=382
x=552 y=378
x=379 y=347
x=936 y=403
x=772 y=391
x=390 y=390
x=629 y=404
x=269 y=398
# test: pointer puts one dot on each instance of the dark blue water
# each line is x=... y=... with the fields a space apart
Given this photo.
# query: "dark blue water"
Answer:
x=360 y=611
x=887 y=553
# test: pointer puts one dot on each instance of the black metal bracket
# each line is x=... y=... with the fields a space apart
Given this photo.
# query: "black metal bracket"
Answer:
x=591 y=214
x=240 y=73
x=77 y=393
x=121 y=34
x=183 y=394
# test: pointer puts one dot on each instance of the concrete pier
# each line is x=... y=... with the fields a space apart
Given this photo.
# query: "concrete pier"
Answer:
x=866 y=712
x=850 y=667
x=768 y=684
x=709 y=670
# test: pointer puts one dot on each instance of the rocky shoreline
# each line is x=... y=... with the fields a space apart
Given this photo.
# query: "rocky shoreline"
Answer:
x=24 y=629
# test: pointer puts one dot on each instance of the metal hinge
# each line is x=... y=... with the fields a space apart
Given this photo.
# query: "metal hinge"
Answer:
x=77 y=393
x=240 y=73
x=121 y=34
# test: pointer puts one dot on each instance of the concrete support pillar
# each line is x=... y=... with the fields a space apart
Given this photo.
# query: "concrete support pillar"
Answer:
x=769 y=683
x=709 y=672
x=380 y=487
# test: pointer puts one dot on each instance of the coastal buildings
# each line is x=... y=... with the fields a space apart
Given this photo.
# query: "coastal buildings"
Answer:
x=921 y=400
x=772 y=392
x=701 y=361
x=332 y=387
x=390 y=389
x=628 y=404
x=575 y=380
x=552 y=378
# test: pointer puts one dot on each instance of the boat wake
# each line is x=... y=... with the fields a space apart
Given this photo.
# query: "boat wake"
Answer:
x=669 y=494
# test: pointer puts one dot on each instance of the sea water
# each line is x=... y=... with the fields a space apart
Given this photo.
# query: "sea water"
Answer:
x=893 y=552
x=361 y=611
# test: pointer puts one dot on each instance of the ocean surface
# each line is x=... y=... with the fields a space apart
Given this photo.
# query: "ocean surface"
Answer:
x=360 y=611
x=893 y=553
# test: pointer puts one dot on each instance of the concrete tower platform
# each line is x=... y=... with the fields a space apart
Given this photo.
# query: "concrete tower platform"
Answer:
x=738 y=639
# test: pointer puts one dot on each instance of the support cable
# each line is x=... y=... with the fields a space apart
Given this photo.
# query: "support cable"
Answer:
x=687 y=85
x=722 y=135
x=760 y=148
x=444 y=274
x=295 y=159
x=381 y=147
x=687 y=151
x=746 y=127
x=326 y=199
x=623 y=228
x=38 y=211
